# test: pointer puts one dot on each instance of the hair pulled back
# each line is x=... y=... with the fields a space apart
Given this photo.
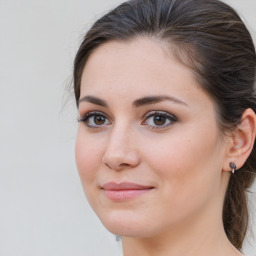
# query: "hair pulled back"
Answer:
x=209 y=37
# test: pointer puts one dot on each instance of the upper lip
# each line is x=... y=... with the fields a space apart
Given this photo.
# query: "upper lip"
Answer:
x=124 y=186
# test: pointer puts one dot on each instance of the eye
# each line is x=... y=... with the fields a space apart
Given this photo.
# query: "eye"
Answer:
x=159 y=119
x=95 y=120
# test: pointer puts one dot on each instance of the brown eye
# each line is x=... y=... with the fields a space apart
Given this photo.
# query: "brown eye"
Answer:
x=159 y=120
x=99 y=120
x=95 y=120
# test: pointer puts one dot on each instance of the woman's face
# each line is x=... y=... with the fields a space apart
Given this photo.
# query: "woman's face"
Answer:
x=149 y=152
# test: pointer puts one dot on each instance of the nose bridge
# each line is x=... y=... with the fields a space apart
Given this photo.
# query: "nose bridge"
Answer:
x=120 y=151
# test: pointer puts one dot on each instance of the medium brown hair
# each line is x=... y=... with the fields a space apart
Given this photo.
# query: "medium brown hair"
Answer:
x=209 y=37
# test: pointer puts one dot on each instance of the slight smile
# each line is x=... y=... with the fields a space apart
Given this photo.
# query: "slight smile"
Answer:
x=124 y=191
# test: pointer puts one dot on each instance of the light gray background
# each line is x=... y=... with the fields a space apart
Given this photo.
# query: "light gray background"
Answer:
x=42 y=206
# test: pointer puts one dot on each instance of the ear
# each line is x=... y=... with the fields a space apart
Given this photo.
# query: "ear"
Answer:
x=241 y=141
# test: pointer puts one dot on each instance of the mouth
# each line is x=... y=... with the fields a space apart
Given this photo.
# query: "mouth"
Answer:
x=124 y=191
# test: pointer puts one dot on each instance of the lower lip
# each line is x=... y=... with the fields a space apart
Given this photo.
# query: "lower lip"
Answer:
x=121 y=195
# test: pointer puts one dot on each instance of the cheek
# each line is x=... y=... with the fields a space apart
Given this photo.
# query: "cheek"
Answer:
x=88 y=159
x=187 y=167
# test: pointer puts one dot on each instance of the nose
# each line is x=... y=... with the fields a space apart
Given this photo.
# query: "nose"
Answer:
x=121 y=152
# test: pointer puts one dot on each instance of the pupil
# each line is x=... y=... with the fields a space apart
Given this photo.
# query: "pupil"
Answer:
x=159 y=120
x=99 y=120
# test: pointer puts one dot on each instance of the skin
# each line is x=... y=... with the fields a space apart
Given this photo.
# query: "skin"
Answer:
x=184 y=158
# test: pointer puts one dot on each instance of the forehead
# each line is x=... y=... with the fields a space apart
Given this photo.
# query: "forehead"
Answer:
x=137 y=68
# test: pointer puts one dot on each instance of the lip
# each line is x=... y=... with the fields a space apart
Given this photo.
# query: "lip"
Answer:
x=124 y=191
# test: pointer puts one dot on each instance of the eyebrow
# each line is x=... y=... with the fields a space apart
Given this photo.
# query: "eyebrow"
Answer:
x=94 y=100
x=137 y=103
x=156 y=99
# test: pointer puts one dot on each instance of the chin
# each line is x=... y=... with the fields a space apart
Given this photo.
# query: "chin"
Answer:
x=128 y=230
x=126 y=225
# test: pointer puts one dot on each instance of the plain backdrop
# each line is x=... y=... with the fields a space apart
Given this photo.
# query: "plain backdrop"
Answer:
x=43 y=210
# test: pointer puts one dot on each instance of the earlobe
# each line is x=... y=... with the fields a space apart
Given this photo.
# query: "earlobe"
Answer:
x=242 y=141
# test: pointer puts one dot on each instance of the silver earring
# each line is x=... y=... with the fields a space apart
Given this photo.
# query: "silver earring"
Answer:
x=118 y=238
x=232 y=165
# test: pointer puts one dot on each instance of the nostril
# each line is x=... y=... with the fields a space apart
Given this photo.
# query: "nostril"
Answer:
x=118 y=166
x=124 y=164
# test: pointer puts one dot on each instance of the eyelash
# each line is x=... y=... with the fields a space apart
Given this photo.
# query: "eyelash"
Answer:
x=152 y=114
x=171 y=118
x=86 y=118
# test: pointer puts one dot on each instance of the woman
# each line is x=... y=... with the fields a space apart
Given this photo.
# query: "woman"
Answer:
x=165 y=145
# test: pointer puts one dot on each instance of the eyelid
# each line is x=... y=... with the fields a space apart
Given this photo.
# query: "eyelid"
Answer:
x=89 y=114
x=172 y=118
x=160 y=112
